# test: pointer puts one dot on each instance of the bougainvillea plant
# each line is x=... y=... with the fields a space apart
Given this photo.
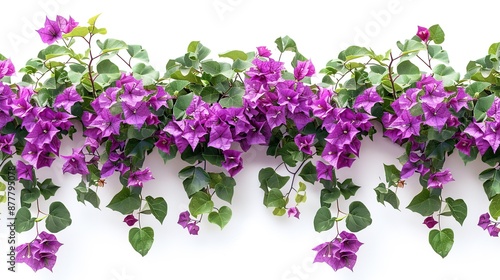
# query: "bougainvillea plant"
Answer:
x=210 y=112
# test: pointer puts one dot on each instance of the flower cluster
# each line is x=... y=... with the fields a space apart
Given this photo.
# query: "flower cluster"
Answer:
x=39 y=253
x=210 y=113
x=339 y=253
x=486 y=223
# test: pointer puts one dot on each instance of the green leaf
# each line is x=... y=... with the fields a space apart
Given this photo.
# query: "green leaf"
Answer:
x=58 y=218
x=146 y=73
x=270 y=179
x=392 y=175
x=386 y=195
x=47 y=188
x=494 y=208
x=241 y=65
x=137 y=52
x=274 y=199
x=492 y=182
x=406 y=67
x=195 y=179
x=200 y=203
x=125 y=202
x=458 y=209
x=210 y=95
x=234 y=55
x=447 y=74
x=158 y=207
x=411 y=46
x=441 y=241
x=482 y=106
x=309 y=173
x=225 y=188
x=88 y=195
x=181 y=104
x=111 y=45
x=476 y=88
x=329 y=196
x=24 y=221
x=221 y=217
x=109 y=69
x=175 y=86
x=53 y=51
x=234 y=98
x=436 y=34
x=348 y=188
x=29 y=195
x=93 y=19
x=323 y=220
x=359 y=217
x=141 y=239
x=197 y=51
x=79 y=31
x=424 y=203
x=286 y=44
x=8 y=170
x=211 y=67
x=353 y=52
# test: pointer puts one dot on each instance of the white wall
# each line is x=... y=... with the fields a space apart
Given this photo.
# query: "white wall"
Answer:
x=255 y=244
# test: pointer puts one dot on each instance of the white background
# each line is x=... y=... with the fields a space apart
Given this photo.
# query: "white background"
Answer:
x=255 y=244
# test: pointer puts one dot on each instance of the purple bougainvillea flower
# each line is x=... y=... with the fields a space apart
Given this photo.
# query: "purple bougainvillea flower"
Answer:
x=436 y=116
x=107 y=123
x=221 y=137
x=492 y=135
x=138 y=177
x=493 y=230
x=367 y=99
x=135 y=114
x=484 y=220
x=326 y=251
x=349 y=242
x=276 y=116
x=263 y=51
x=331 y=254
x=25 y=253
x=51 y=32
x=324 y=171
x=430 y=222
x=423 y=33
x=66 y=25
x=193 y=228
x=464 y=143
x=40 y=253
x=233 y=162
x=42 y=133
x=163 y=144
x=75 y=163
x=460 y=100
x=303 y=69
x=6 y=142
x=24 y=171
x=184 y=219
x=67 y=99
x=48 y=243
x=293 y=211
x=6 y=68
x=438 y=179
x=407 y=124
x=193 y=133
x=344 y=259
x=130 y=220
x=159 y=99
x=304 y=143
